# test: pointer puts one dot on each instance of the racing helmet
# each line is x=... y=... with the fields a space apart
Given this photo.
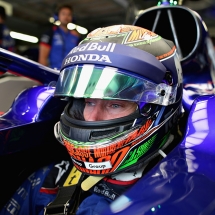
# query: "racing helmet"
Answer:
x=120 y=62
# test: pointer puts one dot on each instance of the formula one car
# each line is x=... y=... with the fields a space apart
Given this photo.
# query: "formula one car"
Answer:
x=183 y=182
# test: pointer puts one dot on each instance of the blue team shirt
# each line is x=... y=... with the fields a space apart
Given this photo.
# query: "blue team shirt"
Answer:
x=61 y=43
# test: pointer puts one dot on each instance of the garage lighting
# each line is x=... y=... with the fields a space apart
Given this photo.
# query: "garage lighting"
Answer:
x=70 y=26
x=23 y=37
x=51 y=19
x=57 y=22
x=81 y=30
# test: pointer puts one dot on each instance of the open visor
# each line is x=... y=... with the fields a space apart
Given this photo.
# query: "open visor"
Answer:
x=91 y=81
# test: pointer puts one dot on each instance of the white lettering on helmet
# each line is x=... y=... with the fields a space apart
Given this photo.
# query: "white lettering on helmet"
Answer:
x=98 y=166
x=94 y=46
x=87 y=57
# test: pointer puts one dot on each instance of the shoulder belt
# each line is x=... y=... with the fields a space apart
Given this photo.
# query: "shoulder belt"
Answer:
x=68 y=195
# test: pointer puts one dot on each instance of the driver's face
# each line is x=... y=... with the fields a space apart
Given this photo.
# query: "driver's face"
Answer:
x=98 y=109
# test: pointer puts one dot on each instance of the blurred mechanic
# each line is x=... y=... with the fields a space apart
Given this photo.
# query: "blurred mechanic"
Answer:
x=6 y=41
x=56 y=43
x=123 y=84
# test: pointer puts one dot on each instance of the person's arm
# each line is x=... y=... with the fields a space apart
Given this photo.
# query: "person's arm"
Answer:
x=44 y=51
x=45 y=47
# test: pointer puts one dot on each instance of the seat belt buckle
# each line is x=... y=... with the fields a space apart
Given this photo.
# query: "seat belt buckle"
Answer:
x=55 y=209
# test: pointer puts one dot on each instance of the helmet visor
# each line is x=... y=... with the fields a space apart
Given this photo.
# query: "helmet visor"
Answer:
x=91 y=81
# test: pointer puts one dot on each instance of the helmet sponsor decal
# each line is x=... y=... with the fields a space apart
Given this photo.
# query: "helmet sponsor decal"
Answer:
x=94 y=47
x=87 y=57
x=131 y=33
x=138 y=153
x=123 y=34
x=140 y=34
x=98 y=166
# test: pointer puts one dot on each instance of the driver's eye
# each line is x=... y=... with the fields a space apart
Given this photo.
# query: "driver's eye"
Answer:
x=115 y=105
x=88 y=103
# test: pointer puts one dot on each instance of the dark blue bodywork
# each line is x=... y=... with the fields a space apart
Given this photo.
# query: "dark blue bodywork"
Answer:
x=32 y=110
x=181 y=183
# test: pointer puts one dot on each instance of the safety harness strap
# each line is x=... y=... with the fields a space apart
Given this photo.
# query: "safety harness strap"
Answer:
x=68 y=195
